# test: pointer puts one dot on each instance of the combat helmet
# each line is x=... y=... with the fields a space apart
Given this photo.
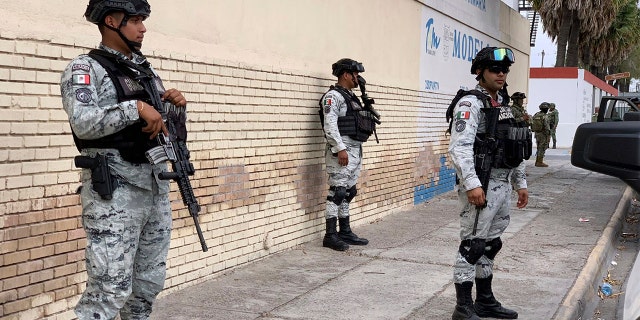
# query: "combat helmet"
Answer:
x=492 y=55
x=518 y=95
x=98 y=9
x=346 y=65
x=545 y=105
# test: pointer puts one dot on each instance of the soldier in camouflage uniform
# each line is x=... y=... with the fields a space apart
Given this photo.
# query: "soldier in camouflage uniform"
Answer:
x=554 y=118
x=343 y=153
x=480 y=244
x=542 y=137
x=517 y=108
x=128 y=228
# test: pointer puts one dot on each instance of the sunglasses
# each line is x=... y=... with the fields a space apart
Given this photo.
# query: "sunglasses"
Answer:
x=500 y=54
x=498 y=68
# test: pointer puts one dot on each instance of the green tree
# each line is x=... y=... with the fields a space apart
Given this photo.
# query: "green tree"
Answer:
x=564 y=20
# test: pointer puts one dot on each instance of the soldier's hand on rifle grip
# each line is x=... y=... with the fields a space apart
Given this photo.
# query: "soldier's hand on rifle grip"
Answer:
x=476 y=197
x=175 y=97
x=343 y=158
x=153 y=119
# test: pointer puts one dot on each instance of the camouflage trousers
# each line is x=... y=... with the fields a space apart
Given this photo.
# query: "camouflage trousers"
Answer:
x=542 y=144
x=342 y=176
x=492 y=222
x=127 y=244
x=553 y=136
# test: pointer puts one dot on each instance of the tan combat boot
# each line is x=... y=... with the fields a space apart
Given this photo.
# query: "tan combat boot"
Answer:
x=539 y=162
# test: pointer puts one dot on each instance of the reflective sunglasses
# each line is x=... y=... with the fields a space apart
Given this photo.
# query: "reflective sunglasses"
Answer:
x=500 y=54
x=498 y=68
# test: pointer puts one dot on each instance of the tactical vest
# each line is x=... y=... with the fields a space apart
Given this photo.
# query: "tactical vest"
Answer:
x=514 y=143
x=358 y=123
x=507 y=141
x=131 y=142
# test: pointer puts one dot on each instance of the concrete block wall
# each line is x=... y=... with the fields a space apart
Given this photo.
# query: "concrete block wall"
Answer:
x=258 y=149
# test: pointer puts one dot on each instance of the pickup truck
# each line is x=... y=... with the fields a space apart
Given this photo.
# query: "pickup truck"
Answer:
x=615 y=108
x=612 y=146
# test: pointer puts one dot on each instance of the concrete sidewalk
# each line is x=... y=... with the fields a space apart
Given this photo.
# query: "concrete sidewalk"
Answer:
x=406 y=270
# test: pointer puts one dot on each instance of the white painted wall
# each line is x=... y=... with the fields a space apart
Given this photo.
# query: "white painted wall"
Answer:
x=575 y=100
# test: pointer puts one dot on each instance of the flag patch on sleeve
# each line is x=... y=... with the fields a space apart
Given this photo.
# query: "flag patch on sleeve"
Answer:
x=463 y=115
x=81 y=79
x=327 y=102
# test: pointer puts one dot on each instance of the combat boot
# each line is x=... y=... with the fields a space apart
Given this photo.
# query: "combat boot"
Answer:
x=486 y=305
x=539 y=162
x=331 y=238
x=348 y=236
x=554 y=144
x=464 y=304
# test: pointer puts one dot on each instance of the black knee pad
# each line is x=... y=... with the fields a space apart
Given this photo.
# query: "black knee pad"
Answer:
x=339 y=194
x=492 y=247
x=351 y=193
x=472 y=249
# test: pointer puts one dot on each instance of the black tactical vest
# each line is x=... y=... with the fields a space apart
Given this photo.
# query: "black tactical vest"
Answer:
x=131 y=142
x=356 y=123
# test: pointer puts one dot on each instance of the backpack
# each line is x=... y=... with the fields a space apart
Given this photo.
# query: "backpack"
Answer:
x=537 y=122
x=461 y=93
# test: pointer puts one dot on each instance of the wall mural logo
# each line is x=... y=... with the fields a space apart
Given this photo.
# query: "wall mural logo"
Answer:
x=433 y=41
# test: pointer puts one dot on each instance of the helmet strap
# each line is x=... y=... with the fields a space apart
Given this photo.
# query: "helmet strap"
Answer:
x=133 y=46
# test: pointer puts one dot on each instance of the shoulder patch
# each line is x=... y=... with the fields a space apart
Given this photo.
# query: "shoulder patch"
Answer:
x=80 y=66
x=460 y=125
x=83 y=95
x=83 y=79
x=465 y=104
x=463 y=115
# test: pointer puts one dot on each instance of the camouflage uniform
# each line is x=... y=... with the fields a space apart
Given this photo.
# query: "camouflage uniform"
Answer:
x=128 y=236
x=494 y=218
x=542 y=138
x=554 y=118
x=335 y=106
x=519 y=113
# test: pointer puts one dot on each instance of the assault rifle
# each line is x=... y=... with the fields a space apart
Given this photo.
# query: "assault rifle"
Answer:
x=171 y=148
x=368 y=104
x=174 y=149
x=484 y=155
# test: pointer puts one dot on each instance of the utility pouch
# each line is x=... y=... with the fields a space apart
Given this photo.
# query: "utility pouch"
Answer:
x=101 y=179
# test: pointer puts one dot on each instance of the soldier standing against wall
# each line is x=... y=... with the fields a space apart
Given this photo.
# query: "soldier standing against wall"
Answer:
x=126 y=213
x=517 y=108
x=554 y=118
x=540 y=126
x=481 y=117
x=346 y=128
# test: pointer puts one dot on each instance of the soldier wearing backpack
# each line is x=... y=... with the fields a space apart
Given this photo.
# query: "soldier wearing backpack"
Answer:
x=487 y=148
x=540 y=126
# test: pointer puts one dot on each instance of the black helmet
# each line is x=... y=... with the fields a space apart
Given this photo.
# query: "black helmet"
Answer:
x=98 y=9
x=544 y=105
x=346 y=65
x=492 y=55
x=518 y=95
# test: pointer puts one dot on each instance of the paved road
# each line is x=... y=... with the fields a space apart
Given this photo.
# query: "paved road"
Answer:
x=406 y=270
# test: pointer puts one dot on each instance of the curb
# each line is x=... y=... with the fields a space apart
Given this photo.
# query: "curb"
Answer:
x=585 y=290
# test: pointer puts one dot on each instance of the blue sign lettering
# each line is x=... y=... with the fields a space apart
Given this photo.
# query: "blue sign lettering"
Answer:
x=431 y=85
x=480 y=4
x=465 y=47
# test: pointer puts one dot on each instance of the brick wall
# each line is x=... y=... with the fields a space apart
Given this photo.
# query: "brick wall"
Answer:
x=255 y=141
